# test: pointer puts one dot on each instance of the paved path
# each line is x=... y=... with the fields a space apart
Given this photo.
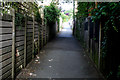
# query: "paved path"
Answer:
x=61 y=58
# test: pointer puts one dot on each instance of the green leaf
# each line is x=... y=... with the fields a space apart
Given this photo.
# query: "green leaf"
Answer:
x=115 y=29
x=103 y=13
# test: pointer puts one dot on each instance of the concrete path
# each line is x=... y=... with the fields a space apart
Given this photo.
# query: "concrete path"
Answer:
x=61 y=58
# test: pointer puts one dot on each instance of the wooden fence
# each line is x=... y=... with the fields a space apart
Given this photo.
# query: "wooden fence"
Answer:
x=88 y=33
x=29 y=39
x=91 y=35
x=6 y=46
x=19 y=43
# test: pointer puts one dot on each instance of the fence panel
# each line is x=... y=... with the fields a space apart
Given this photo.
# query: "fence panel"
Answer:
x=19 y=46
x=41 y=36
x=18 y=43
x=36 y=33
x=29 y=39
x=6 y=46
x=88 y=33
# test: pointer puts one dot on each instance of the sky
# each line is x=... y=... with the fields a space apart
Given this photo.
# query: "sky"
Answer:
x=64 y=6
x=67 y=6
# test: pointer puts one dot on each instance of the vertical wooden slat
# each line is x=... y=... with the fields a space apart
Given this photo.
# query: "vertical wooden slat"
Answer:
x=13 y=45
x=0 y=46
x=33 y=36
x=45 y=34
x=99 y=46
x=25 y=42
x=42 y=16
x=42 y=37
x=93 y=46
x=88 y=34
x=73 y=14
x=38 y=39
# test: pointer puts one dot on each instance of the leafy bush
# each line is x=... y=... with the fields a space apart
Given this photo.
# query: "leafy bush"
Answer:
x=110 y=10
x=67 y=15
x=37 y=15
x=51 y=13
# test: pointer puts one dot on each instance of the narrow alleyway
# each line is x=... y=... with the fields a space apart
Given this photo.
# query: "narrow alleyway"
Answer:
x=61 y=58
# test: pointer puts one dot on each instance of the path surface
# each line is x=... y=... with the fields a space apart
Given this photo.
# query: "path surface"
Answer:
x=61 y=58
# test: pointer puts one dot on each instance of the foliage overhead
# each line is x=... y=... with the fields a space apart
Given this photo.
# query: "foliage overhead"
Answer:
x=110 y=10
x=51 y=13
x=66 y=15
x=83 y=8
x=21 y=12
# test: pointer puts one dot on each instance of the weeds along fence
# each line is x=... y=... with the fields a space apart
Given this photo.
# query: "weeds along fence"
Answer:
x=21 y=38
x=88 y=33
x=91 y=35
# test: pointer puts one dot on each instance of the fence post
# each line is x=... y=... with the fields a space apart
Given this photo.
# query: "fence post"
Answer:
x=38 y=38
x=25 y=41
x=33 y=36
x=13 y=44
x=99 y=46
x=42 y=36
x=45 y=34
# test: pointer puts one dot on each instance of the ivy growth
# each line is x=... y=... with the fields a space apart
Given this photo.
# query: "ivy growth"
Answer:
x=108 y=14
x=19 y=15
x=19 y=19
x=37 y=15
x=110 y=11
x=107 y=11
x=83 y=8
